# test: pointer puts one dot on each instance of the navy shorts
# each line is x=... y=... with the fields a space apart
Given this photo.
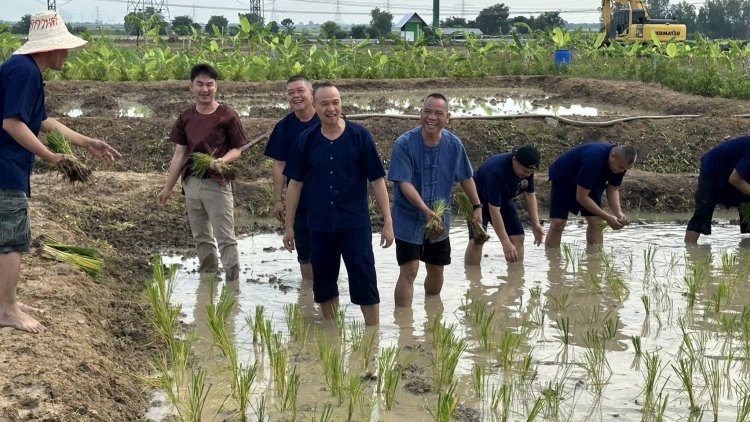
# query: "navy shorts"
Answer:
x=438 y=253
x=15 y=231
x=563 y=200
x=302 y=237
x=511 y=220
x=355 y=246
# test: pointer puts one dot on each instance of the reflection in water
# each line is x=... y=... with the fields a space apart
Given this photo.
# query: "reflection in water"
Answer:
x=491 y=106
x=600 y=293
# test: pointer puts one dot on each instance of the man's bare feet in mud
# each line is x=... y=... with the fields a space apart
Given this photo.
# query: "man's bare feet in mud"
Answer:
x=19 y=320
x=26 y=308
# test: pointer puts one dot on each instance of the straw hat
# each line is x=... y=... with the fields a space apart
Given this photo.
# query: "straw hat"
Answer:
x=48 y=33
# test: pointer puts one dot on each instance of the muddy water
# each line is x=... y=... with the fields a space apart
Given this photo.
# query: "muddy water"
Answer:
x=533 y=298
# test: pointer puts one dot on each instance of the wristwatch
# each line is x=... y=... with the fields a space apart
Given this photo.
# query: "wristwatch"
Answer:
x=477 y=206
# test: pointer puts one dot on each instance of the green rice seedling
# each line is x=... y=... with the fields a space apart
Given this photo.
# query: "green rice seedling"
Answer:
x=356 y=334
x=355 y=395
x=279 y=360
x=447 y=352
x=535 y=293
x=201 y=163
x=289 y=400
x=260 y=409
x=649 y=254
x=611 y=326
x=389 y=375
x=711 y=372
x=481 y=320
x=652 y=372
x=728 y=324
x=570 y=257
x=198 y=394
x=552 y=396
x=325 y=416
x=722 y=295
x=256 y=324
x=508 y=347
x=87 y=259
x=294 y=320
x=629 y=262
x=563 y=325
x=535 y=410
x=341 y=322
x=646 y=300
x=446 y=404
x=617 y=285
x=595 y=362
x=728 y=262
x=367 y=348
x=594 y=280
x=159 y=290
x=334 y=368
x=743 y=403
x=479 y=379
x=244 y=388
x=674 y=260
x=476 y=230
x=561 y=303
x=502 y=396
x=434 y=228
x=636 y=341
x=71 y=168
x=684 y=369
x=527 y=371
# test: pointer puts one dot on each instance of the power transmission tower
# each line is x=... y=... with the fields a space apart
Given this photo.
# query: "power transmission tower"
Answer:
x=51 y=5
x=256 y=10
x=141 y=6
x=337 y=17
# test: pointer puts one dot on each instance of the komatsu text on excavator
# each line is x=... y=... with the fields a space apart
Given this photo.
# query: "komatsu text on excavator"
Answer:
x=629 y=21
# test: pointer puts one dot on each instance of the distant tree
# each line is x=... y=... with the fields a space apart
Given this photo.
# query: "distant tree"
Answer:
x=659 y=9
x=724 y=19
x=522 y=19
x=454 y=22
x=684 y=12
x=494 y=19
x=548 y=20
x=220 y=21
x=381 y=23
x=181 y=25
x=273 y=27
x=288 y=25
x=253 y=18
x=22 y=26
x=137 y=22
x=330 y=30
x=358 y=31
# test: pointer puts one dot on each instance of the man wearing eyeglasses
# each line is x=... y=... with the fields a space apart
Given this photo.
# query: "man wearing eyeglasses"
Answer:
x=500 y=179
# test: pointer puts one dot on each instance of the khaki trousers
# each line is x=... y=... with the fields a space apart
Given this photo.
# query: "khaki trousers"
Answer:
x=210 y=209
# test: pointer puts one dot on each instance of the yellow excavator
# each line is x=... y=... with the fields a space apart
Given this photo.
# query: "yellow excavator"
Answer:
x=629 y=21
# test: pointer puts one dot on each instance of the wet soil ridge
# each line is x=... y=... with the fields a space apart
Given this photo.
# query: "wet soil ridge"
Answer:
x=88 y=364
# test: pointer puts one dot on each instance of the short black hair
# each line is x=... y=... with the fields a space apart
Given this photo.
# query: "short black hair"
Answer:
x=627 y=153
x=296 y=78
x=439 y=96
x=203 y=69
x=324 y=84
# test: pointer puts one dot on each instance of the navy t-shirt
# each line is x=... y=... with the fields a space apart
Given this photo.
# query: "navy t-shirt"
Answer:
x=497 y=183
x=721 y=161
x=21 y=96
x=586 y=166
x=335 y=175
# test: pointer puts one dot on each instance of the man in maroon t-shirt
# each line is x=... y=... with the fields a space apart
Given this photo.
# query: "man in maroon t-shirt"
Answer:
x=216 y=130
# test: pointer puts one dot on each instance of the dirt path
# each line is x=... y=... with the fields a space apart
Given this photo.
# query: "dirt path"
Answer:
x=90 y=363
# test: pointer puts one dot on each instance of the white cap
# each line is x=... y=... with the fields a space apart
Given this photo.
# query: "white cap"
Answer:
x=48 y=33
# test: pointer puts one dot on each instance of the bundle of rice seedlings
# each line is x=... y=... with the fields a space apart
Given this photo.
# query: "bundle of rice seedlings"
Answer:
x=478 y=233
x=434 y=228
x=201 y=163
x=72 y=169
x=85 y=258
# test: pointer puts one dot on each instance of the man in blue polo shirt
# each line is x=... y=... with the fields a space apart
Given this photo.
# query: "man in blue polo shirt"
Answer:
x=334 y=160
x=24 y=116
x=425 y=162
x=579 y=178
x=500 y=179
x=283 y=137
x=724 y=176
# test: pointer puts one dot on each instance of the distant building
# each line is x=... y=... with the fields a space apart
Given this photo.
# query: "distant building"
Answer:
x=411 y=26
x=450 y=31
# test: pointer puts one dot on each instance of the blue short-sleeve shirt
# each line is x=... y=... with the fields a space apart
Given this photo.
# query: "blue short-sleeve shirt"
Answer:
x=432 y=171
x=335 y=175
x=587 y=166
x=21 y=96
x=497 y=183
x=721 y=160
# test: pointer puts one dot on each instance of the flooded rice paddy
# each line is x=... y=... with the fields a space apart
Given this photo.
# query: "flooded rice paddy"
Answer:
x=643 y=329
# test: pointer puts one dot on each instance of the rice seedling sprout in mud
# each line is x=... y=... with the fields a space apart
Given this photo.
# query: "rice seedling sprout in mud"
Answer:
x=563 y=325
x=743 y=404
x=728 y=262
x=595 y=362
x=552 y=395
x=446 y=404
x=355 y=395
x=164 y=316
x=389 y=375
x=357 y=334
x=570 y=257
x=508 y=347
x=476 y=230
x=434 y=228
x=256 y=325
x=561 y=303
x=446 y=354
x=502 y=396
x=260 y=409
x=334 y=368
x=341 y=322
x=201 y=163
x=649 y=255
x=482 y=321
x=711 y=372
x=279 y=359
x=87 y=259
x=684 y=370
x=535 y=410
x=479 y=379
x=368 y=347
x=71 y=168
x=326 y=415
x=289 y=400
x=646 y=300
x=652 y=373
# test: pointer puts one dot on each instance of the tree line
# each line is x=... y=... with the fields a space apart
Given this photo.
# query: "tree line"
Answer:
x=716 y=19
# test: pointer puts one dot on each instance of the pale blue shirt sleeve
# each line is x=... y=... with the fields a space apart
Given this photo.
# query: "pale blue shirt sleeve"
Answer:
x=464 y=170
x=401 y=166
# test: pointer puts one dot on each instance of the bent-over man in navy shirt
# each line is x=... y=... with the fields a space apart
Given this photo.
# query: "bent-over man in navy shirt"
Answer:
x=579 y=178
x=283 y=137
x=724 y=179
x=500 y=179
x=334 y=160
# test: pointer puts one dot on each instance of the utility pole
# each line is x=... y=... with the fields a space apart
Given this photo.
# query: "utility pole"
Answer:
x=436 y=13
x=337 y=18
x=51 y=5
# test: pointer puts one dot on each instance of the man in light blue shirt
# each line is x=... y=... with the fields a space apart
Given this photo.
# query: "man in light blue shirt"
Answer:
x=425 y=162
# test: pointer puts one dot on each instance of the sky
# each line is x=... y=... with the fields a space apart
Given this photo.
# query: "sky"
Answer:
x=351 y=11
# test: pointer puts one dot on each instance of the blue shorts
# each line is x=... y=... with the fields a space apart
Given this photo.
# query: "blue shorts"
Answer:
x=355 y=246
x=15 y=231
x=511 y=220
x=302 y=237
x=563 y=200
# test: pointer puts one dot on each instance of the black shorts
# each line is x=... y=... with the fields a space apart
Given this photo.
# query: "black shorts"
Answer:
x=563 y=200
x=438 y=253
x=511 y=220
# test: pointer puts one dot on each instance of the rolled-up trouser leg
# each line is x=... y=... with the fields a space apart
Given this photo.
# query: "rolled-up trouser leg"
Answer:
x=200 y=226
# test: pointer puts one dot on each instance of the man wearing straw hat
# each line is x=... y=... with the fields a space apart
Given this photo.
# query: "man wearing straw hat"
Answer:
x=24 y=116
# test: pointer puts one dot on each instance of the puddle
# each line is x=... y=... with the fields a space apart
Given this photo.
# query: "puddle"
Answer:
x=537 y=299
x=75 y=112
x=138 y=111
x=494 y=106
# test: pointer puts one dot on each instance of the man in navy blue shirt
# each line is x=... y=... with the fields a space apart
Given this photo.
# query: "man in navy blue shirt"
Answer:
x=283 y=137
x=500 y=179
x=24 y=116
x=724 y=176
x=334 y=160
x=579 y=178
x=425 y=163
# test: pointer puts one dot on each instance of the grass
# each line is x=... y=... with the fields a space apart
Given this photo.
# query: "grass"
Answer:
x=434 y=228
x=87 y=259
x=71 y=168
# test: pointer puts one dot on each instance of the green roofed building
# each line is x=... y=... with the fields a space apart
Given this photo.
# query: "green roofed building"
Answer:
x=411 y=26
